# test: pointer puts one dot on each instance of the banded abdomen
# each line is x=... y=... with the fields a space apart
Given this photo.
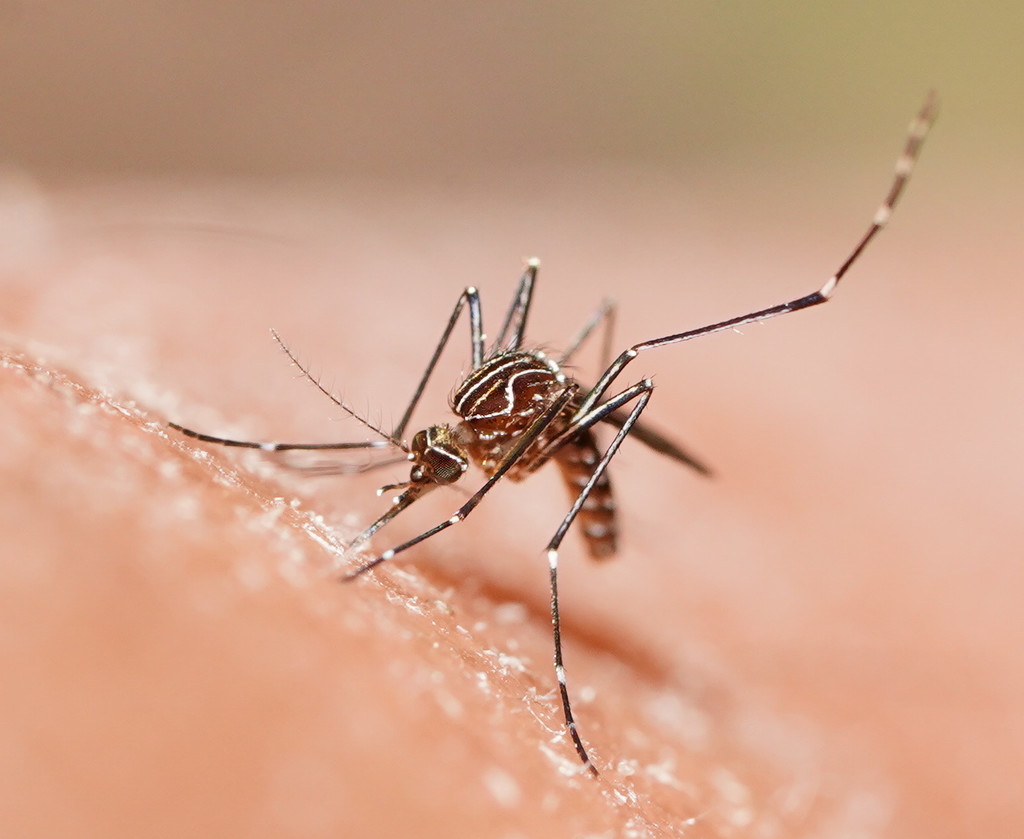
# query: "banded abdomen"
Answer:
x=596 y=519
x=500 y=400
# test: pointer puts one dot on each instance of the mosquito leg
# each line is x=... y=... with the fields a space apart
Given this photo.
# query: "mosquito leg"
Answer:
x=904 y=165
x=328 y=468
x=644 y=433
x=388 y=439
x=511 y=335
x=601 y=413
x=528 y=438
x=658 y=442
x=470 y=296
x=641 y=392
x=279 y=447
x=604 y=315
x=476 y=339
x=405 y=499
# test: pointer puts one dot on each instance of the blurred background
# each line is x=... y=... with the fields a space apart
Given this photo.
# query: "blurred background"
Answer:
x=190 y=173
x=452 y=91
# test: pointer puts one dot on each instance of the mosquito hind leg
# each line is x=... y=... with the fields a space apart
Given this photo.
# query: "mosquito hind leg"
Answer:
x=919 y=128
x=641 y=392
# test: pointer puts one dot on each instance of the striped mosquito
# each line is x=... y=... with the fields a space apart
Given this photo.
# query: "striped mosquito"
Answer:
x=519 y=408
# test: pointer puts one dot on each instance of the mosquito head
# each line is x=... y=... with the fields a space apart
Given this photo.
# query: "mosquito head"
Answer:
x=438 y=456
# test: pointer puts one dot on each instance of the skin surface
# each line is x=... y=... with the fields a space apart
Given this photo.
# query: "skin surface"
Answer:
x=822 y=640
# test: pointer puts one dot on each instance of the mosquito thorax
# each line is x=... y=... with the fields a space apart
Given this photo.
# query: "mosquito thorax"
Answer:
x=438 y=456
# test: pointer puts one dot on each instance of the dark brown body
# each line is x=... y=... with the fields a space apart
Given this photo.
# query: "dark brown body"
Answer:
x=500 y=400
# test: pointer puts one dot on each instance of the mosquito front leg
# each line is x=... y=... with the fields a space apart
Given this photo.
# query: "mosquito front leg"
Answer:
x=646 y=435
x=401 y=502
x=279 y=447
x=387 y=441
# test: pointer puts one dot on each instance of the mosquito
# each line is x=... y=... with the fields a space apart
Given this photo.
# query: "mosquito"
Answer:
x=519 y=408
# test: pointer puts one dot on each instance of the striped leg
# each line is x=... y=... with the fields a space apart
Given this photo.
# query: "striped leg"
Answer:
x=641 y=392
x=904 y=165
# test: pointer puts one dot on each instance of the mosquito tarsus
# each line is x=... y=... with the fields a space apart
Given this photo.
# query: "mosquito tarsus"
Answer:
x=519 y=408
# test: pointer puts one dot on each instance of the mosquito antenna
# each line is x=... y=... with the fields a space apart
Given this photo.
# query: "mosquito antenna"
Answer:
x=376 y=429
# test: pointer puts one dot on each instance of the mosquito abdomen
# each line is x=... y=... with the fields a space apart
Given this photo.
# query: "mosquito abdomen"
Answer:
x=596 y=520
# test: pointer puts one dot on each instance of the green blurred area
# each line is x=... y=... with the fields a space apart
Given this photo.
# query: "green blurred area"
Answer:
x=430 y=89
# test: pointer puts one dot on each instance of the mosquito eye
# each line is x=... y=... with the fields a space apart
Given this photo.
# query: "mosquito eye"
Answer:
x=445 y=468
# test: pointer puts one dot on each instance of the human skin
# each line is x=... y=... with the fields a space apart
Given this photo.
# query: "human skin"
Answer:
x=764 y=658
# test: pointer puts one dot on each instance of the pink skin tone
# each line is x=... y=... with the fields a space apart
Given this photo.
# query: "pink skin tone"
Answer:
x=793 y=643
